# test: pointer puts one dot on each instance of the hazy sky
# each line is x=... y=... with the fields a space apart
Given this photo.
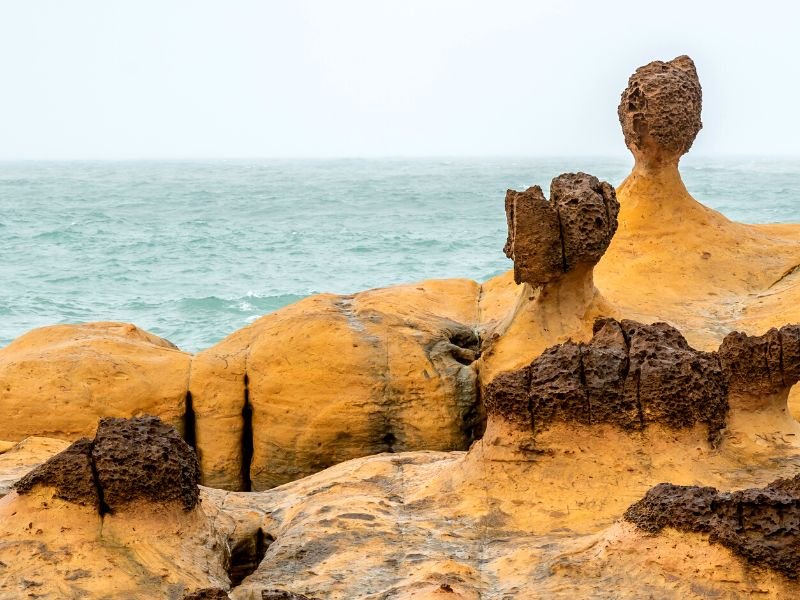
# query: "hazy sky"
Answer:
x=230 y=78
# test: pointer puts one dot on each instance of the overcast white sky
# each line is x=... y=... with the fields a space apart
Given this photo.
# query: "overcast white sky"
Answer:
x=331 y=78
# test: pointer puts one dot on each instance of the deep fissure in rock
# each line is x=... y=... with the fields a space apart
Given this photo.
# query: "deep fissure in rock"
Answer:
x=246 y=554
x=102 y=507
x=190 y=423
x=247 y=438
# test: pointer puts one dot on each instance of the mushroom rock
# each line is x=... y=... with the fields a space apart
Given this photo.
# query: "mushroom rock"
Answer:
x=58 y=381
x=129 y=460
x=547 y=239
x=673 y=258
x=337 y=377
x=660 y=111
x=555 y=245
x=115 y=515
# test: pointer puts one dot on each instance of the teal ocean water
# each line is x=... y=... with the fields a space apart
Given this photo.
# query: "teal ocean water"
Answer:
x=194 y=250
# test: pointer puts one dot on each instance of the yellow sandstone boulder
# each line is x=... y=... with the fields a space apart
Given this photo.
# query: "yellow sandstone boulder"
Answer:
x=337 y=377
x=58 y=381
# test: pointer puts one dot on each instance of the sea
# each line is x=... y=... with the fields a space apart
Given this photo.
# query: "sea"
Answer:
x=193 y=250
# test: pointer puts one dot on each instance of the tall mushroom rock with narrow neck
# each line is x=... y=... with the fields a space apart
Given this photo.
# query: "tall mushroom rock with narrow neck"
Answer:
x=555 y=245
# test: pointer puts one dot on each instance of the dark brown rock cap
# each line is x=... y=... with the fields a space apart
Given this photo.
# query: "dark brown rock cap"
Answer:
x=547 y=239
x=660 y=110
x=630 y=375
x=761 y=366
x=762 y=525
x=128 y=460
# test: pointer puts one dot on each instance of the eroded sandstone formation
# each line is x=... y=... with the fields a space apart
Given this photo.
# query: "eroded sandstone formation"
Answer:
x=761 y=366
x=546 y=239
x=332 y=378
x=761 y=524
x=629 y=374
x=660 y=110
x=128 y=460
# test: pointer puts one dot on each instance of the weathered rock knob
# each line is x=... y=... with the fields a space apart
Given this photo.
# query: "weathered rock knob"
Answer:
x=660 y=111
x=546 y=239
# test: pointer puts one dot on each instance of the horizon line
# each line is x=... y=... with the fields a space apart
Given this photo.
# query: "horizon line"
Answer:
x=391 y=157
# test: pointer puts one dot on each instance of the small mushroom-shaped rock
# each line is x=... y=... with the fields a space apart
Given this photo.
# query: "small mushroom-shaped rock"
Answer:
x=546 y=239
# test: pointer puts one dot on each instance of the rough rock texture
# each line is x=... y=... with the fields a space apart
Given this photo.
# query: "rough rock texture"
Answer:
x=22 y=457
x=534 y=242
x=208 y=594
x=660 y=110
x=58 y=381
x=549 y=238
x=336 y=377
x=762 y=365
x=283 y=595
x=629 y=375
x=587 y=214
x=129 y=460
x=70 y=472
x=762 y=525
x=144 y=459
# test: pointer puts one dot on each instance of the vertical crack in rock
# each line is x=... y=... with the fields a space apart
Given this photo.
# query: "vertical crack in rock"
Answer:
x=102 y=506
x=247 y=438
x=632 y=375
x=190 y=422
x=547 y=239
x=761 y=525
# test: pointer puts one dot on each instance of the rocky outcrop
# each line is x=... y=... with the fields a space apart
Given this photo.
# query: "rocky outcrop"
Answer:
x=58 y=381
x=630 y=375
x=549 y=238
x=129 y=460
x=762 y=525
x=764 y=365
x=660 y=110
